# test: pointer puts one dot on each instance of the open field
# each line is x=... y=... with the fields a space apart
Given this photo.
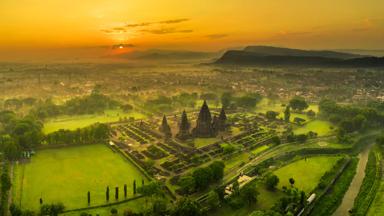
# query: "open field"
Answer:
x=74 y=122
x=321 y=127
x=306 y=172
x=73 y=171
x=201 y=142
x=260 y=149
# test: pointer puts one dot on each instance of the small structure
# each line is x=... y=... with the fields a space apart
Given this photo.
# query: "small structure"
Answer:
x=184 y=127
x=311 y=198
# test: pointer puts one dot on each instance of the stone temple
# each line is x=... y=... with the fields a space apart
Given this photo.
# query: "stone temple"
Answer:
x=204 y=126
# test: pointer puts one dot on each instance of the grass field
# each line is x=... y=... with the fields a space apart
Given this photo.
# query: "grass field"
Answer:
x=236 y=160
x=319 y=126
x=260 y=149
x=79 y=121
x=306 y=173
x=201 y=142
x=67 y=174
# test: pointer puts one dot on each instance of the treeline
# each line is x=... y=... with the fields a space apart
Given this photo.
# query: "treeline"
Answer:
x=167 y=104
x=97 y=133
x=247 y=101
x=351 y=118
x=19 y=134
x=90 y=104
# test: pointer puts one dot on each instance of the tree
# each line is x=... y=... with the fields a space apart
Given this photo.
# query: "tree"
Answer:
x=213 y=200
x=117 y=193
x=311 y=114
x=276 y=140
x=287 y=113
x=236 y=187
x=271 y=115
x=187 y=184
x=125 y=191
x=52 y=209
x=114 y=211
x=134 y=187
x=89 y=197
x=107 y=194
x=291 y=181
x=272 y=181
x=187 y=207
x=203 y=178
x=159 y=207
x=217 y=170
x=226 y=99
x=249 y=193
x=380 y=140
x=298 y=103
x=298 y=120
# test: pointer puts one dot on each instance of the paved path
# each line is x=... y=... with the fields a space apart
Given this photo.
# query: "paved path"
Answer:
x=353 y=190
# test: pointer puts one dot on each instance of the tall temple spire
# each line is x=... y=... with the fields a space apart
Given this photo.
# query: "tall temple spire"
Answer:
x=164 y=128
x=204 y=123
x=184 y=127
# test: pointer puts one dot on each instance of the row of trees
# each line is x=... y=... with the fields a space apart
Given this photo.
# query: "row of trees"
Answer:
x=97 y=133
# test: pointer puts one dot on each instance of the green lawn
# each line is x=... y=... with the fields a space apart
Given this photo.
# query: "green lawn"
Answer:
x=67 y=174
x=319 y=126
x=260 y=149
x=201 y=142
x=79 y=121
x=306 y=173
x=236 y=160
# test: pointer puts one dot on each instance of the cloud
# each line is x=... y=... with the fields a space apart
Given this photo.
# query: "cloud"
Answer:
x=216 y=36
x=173 y=21
x=162 y=30
x=166 y=30
x=138 y=25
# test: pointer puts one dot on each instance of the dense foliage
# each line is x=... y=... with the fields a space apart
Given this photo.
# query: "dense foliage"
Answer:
x=97 y=133
x=90 y=104
x=201 y=178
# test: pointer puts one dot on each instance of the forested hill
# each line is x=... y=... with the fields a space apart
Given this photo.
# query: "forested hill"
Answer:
x=274 y=56
x=279 y=51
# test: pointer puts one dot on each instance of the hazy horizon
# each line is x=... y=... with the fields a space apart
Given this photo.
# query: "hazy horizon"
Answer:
x=33 y=29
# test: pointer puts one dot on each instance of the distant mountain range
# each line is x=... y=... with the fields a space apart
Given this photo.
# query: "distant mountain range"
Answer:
x=277 y=56
x=168 y=55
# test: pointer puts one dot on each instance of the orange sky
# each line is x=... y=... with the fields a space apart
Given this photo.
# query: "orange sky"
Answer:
x=28 y=27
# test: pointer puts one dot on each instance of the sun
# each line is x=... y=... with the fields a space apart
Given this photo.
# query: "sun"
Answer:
x=121 y=47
